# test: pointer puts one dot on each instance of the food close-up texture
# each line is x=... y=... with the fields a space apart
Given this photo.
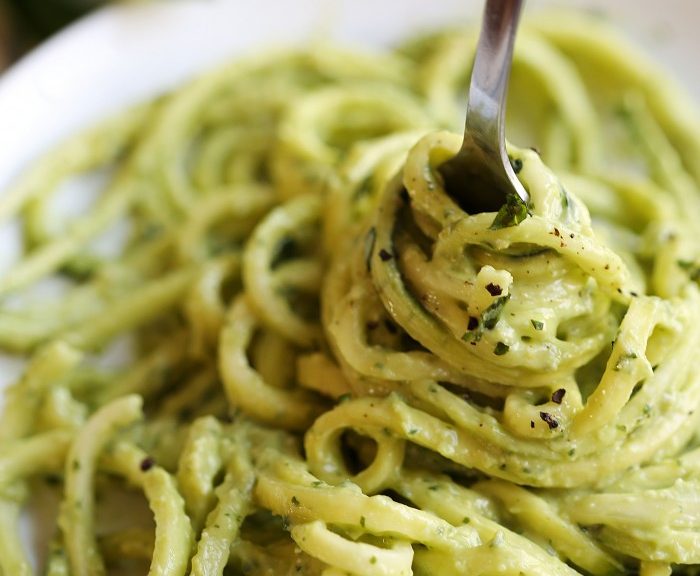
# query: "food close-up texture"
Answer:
x=270 y=324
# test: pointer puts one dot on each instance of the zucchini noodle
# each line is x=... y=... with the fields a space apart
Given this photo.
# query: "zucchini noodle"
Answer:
x=303 y=357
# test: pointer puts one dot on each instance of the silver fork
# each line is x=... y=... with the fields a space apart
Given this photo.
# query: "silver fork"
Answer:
x=480 y=176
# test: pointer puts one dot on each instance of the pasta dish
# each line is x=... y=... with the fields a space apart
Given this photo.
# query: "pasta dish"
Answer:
x=325 y=366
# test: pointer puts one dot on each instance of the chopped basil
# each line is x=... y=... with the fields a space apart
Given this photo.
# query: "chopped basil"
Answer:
x=537 y=325
x=501 y=349
x=493 y=313
x=488 y=320
x=512 y=213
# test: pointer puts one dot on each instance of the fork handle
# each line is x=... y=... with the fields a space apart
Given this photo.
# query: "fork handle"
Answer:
x=489 y=83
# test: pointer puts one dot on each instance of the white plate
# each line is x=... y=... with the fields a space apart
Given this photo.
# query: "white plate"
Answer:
x=128 y=52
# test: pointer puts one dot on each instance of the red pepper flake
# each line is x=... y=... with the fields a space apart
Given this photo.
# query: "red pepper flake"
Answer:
x=558 y=395
x=550 y=420
x=147 y=463
x=494 y=289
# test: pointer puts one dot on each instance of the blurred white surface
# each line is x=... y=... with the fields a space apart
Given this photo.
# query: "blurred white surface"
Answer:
x=127 y=52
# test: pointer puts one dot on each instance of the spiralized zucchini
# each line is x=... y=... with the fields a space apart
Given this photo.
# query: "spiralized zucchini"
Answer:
x=305 y=358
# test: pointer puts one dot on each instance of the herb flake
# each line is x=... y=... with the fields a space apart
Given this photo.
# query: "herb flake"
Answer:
x=488 y=320
x=501 y=349
x=512 y=213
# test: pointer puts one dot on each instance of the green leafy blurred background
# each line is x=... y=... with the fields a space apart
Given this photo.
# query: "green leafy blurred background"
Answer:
x=24 y=23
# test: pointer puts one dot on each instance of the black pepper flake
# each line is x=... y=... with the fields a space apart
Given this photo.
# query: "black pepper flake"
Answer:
x=550 y=420
x=147 y=463
x=385 y=255
x=295 y=501
x=494 y=289
x=558 y=395
x=473 y=323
